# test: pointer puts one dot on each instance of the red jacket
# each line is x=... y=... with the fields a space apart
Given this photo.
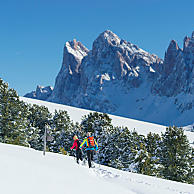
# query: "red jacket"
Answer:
x=75 y=144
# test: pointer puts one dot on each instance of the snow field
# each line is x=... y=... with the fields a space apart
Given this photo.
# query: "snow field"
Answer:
x=27 y=171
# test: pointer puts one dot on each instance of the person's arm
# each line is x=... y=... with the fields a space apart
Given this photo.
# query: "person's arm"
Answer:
x=74 y=144
x=96 y=145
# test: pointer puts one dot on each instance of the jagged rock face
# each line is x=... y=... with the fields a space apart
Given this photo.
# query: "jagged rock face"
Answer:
x=171 y=55
x=189 y=61
x=68 y=79
x=123 y=59
x=118 y=77
x=176 y=71
x=112 y=61
x=41 y=93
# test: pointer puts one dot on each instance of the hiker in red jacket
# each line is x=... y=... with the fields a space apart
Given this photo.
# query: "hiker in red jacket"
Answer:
x=78 y=152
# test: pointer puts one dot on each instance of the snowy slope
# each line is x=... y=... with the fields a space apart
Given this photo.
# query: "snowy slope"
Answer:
x=76 y=114
x=26 y=171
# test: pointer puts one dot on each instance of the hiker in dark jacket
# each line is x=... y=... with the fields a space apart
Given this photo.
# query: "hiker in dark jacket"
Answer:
x=76 y=144
x=91 y=145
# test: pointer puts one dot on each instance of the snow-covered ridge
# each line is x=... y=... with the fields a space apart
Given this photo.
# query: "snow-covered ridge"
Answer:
x=141 y=127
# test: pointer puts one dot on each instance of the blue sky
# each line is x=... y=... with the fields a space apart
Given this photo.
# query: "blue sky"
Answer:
x=33 y=32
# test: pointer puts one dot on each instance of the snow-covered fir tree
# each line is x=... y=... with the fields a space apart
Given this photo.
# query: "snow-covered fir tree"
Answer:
x=63 y=132
x=39 y=117
x=122 y=149
x=191 y=171
x=13 y=122
x=111 y=151
x=176 y=155
x=142 y=162
x=153 y=146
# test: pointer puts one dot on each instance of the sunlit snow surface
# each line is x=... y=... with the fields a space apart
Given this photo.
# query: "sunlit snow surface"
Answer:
x=27 y=171
x=141 y=127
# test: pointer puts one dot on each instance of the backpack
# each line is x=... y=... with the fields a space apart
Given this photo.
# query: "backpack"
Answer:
x=90 y=141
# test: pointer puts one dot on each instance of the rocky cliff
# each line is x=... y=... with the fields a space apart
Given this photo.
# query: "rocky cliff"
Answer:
x=118 y=77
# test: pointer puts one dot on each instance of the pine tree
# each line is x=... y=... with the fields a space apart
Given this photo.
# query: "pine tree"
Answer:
x=153 y=146
x=108 y=147
x=123 y=149
x=13 y=120
x=63 y=131
x=142 y=162
x=95 y=123
x=191 y=170
x=38 y=117
x=176 y=154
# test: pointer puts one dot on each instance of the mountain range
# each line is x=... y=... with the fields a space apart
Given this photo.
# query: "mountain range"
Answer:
x=119 y=78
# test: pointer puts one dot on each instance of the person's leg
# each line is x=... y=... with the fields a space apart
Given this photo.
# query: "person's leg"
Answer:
x=77 y=156
x=92 y=155
x=89 y=158
x=80 y=155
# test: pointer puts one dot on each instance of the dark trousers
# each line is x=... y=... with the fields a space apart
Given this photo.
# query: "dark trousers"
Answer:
x=78 y=155
x=90 y=155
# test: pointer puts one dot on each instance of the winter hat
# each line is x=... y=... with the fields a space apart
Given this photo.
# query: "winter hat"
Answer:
x=88 y=134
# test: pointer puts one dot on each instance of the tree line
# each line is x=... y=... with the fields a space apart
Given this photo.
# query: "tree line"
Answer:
x=167 y=156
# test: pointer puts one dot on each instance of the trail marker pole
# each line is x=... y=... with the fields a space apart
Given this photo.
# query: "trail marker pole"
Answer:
x=45 y=134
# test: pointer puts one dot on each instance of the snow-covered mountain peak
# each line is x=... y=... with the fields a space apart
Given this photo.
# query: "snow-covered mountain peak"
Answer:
x=109 y=37
x=73 y=54
x=77 y=49
x=67 y=81
x=41 y=92
x=104 y=42
x=109 y=44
